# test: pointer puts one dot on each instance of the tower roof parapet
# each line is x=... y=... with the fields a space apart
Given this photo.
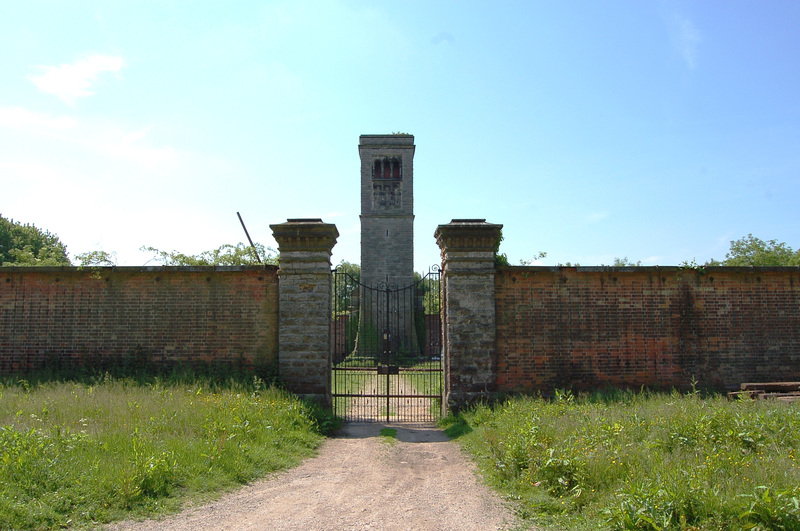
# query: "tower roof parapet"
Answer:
x=400 y=139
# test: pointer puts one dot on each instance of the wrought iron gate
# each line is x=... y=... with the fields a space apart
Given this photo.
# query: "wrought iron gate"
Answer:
x=387 y=350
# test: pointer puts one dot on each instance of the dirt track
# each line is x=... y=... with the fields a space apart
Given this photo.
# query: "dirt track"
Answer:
x=360 y=481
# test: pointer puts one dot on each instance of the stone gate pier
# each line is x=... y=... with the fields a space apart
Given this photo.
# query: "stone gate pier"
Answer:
x=468 y=247
x=304 y=279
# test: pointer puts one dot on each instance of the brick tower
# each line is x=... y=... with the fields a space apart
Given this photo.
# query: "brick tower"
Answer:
x=387 y=209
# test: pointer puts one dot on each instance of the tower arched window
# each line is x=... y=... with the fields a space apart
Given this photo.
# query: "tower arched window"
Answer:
x=387 y=168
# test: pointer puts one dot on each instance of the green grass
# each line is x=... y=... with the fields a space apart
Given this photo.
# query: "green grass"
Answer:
x=641 y=461
x=389 y=435
x=78 y=454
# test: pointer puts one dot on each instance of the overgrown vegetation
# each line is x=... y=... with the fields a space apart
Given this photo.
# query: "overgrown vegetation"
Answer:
x=624 y=262
x=641 y=461
x=83 y=453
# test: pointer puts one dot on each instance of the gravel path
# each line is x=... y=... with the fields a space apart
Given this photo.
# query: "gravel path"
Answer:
x=360 y=480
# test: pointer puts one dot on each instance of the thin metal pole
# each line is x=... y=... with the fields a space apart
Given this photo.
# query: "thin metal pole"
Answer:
x=388 y=347
x=252 y=245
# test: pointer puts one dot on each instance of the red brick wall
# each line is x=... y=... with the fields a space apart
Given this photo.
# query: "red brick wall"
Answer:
x=590 y=328
x=164 y=315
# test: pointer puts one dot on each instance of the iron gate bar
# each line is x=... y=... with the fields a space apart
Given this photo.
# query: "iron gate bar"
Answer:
x=410 y=324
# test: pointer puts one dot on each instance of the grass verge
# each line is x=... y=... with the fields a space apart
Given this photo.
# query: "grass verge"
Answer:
x=640 y=461
x=84 y=453
x=389 y=435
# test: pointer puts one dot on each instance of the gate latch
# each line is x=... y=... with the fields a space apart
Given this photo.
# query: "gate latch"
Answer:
x=388 y=369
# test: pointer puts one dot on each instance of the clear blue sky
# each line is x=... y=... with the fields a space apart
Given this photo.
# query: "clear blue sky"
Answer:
x=658 y=131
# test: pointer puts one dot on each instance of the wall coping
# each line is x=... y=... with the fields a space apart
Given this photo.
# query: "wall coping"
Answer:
x=645 y=269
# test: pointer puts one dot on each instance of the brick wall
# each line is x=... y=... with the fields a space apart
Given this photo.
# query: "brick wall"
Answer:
x=167 y=316
x=580 y=328
x=590 y=328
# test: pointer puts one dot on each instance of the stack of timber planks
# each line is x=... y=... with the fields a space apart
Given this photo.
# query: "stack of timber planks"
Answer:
x=783 y=391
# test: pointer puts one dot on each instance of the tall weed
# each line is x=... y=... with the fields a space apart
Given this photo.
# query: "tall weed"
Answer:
x=642 y=461
x=82 y=453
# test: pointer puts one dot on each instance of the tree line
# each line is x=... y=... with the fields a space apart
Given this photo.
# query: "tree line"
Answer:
x=28 y=245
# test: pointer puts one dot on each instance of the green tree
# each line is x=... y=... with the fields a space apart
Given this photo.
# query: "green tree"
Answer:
x=752 y=251
x=28 y=245
x=225 y=255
